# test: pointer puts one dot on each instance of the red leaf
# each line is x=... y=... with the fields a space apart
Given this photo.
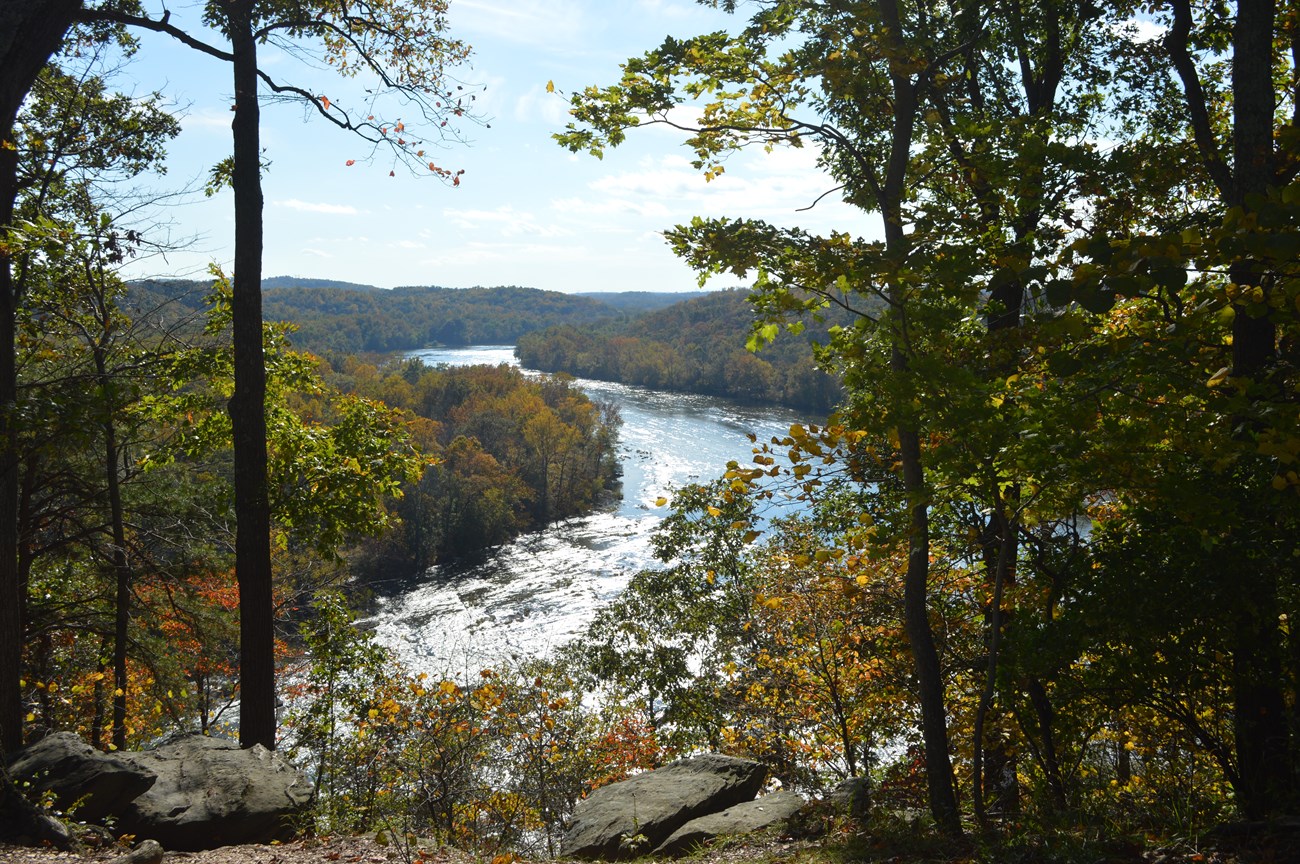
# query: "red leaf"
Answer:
x=351 y=162
x=392 y=174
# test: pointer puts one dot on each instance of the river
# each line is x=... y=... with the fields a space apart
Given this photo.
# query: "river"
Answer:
x=540 y=590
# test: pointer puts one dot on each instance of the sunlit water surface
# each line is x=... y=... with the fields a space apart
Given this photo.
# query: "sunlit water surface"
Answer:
x=541 y=590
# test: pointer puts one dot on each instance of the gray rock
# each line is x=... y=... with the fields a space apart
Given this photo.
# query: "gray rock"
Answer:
x=74 y=771
x=145 y=852
x=24 y=824
x=210 y=793
x=766 y=812
x=851 y=797
x=630 y=818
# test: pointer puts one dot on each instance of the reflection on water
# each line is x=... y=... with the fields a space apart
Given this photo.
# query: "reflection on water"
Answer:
x=542 y=589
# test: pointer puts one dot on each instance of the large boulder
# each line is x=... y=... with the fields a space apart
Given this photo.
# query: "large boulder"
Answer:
x=211 y=793
x=630 y=818
x=767 y=812
x=78 y=774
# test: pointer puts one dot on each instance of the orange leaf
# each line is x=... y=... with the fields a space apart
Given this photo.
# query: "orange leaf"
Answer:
x=325 y=100
x=455 y=181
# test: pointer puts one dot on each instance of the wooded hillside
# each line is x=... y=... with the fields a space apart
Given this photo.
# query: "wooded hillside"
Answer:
x=695 y=346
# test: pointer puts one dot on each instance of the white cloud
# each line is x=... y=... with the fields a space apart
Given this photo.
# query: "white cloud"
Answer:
x=505 y=220
x=669 y=10
x=536 y=104
x=317 y=207
x=518 y=255
x=207 y=118
x=1142 y=29
x=550 y=24
x=611 y=207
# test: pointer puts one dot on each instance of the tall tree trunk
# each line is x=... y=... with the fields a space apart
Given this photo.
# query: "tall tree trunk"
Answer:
x=925 y=656
x=916 y=612
x=1265 y=778
x=117 y=525
x=1260 y=724
x=11 y=593
x=30 y=32
x=247 y=407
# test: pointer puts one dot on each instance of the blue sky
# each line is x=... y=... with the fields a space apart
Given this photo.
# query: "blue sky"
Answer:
x=527 y=211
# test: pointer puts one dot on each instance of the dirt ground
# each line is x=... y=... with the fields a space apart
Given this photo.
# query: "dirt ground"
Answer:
x=349 y=850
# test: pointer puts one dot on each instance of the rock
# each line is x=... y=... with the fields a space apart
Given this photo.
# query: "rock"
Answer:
x=23 y=823
x=851 y=797
x=627 y=819
x=210 y=793
x=745 y=818
x=145 y=852
x=78 y=774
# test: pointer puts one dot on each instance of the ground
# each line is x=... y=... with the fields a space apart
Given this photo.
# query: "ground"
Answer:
x=860 y=849
x=349 y=850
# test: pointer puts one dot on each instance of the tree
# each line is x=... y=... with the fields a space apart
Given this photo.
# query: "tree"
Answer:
x=31 y=33
x=404 y=46
x=971 y=129
x=860 y=55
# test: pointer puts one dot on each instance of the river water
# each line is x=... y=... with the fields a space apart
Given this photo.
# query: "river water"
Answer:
x=535 y=593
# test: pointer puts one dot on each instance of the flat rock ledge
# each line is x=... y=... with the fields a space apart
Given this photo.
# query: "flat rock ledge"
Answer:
x=769 y=811
x=635 y=817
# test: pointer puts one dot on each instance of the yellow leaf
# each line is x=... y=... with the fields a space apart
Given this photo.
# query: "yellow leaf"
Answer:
x=661 y=501
x=1218 y=378
x=714 y=511
x=550 y=86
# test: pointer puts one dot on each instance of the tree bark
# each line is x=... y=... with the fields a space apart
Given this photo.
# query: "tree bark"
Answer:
x=257 y=722
x=916 y=616
x=1259 y=710
x=30 y=32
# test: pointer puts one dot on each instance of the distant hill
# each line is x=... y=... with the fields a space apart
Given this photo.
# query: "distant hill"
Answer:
x=640 y=301
x=306 y=282
x=339 y=317
x=693 y=346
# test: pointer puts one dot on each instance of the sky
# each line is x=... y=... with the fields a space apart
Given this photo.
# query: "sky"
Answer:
x=527 y=211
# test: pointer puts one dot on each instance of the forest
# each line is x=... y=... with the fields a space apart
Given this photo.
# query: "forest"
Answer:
x=695 y=346
x=1040 y=582
x=340 y=319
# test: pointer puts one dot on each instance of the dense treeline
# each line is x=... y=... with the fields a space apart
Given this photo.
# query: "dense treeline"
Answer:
x=331 y=319
x=696 y=346
x=1069 y=438
x=342 y=318
x=512 y=453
